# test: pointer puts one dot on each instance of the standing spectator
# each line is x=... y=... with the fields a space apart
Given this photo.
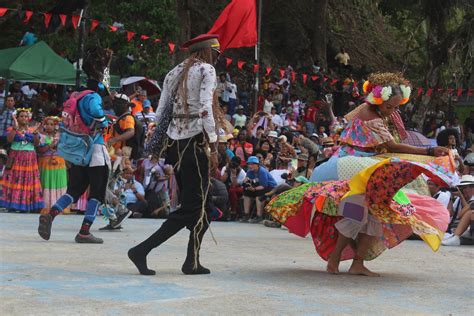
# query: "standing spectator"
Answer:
x=457 y=126
x=29 y=91
x=239 y=119
x=277 y=99
x=233 y=177
x=124 y=128
x=222 y=91
x=138 y=102
x=244 y=98
x=21 y=181
x=232 y=90
x=342 y=58
x=29 y=38
x=257 y=182
x=268 y=104
x=276 y=118
x=6 y=117
x=52 y=167
x=147 y=116
x=310 y=116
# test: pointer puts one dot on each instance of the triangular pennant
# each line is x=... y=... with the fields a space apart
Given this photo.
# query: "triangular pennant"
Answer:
x=63 y=18
x=333 y=82
x=450 y=90
x=420 y=91
x=255 y=68
x=144 y=37
x=282 y=73
x=429 y=92
x=314 y=77
x=3 y=11
x=130 y=35
x=293 y=76
x=28 y=15
x=269 y=70
x=171 y=46
x=459 y=92
x=305 y=78
x=47 y=19
x=75 y=20
x=469 y=92
x=240 y=64
x=94 y=25
x=113 y=28
x=325 y=78
x=228 y=61
x=157 y=40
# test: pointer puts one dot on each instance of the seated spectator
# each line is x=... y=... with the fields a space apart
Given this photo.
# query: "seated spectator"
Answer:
x=225 y=110
x=322 y=132
x=302 y=167
x=286 y=153
x=276 y=118
x=242 y=148
x=466 y=214
x=233 y=177
x=156 y=175
x=257 y=182
x=134 y=193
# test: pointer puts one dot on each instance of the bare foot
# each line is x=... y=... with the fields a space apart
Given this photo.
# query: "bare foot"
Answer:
x=333 y=264
x=359 y=269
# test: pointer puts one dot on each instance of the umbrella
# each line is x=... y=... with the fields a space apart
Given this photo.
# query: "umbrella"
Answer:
x=151 y=86
x=418 y=139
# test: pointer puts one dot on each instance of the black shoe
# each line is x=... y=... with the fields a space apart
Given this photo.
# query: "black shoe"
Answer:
x=44 y=227
x=188 y=268
x=116 y=223
x=139 y=260
x=88 y=239
x=110 y=228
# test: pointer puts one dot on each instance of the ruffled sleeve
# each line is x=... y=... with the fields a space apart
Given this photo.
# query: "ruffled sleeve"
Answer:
x=366 y=134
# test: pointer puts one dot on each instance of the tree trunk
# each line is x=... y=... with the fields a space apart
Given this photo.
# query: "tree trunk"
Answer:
x=184 y=17
x=319 y=38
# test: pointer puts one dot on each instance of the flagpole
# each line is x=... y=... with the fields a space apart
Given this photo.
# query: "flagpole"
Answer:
x=257 y=56
x=80 y=48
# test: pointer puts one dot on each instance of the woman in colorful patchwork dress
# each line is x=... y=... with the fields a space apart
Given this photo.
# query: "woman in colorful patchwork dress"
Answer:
x=21 y=180
x=52 y=167
x=357 y=215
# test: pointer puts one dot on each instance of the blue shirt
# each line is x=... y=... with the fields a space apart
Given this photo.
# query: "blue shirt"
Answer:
x=263 y=177
x=90 y=108
x=29 y=39
x=130 y=196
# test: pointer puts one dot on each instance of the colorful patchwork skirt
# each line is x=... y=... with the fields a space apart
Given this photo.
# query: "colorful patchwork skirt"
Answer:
x=53 y=175
x=21 y=183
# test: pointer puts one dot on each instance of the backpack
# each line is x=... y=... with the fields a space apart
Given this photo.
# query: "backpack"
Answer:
x=71 y=115
x=137 y=142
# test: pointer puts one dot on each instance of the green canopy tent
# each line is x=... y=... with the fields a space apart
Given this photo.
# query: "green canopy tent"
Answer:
x=36 y=63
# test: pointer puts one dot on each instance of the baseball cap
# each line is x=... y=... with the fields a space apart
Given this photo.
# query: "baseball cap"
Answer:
x=146 y=104
x=253 y=160
x=273 y=134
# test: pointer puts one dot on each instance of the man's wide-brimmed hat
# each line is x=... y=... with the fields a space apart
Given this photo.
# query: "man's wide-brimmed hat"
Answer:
x=202 y=41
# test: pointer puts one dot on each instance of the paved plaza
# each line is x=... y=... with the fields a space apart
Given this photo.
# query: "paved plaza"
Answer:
x=255 y=270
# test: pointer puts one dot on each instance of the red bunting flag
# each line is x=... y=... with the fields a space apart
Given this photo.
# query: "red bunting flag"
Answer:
x=237 y=25
x=255 y=68
x=469 y=92
x=94 y=25
x=28 y=15
x=420 y=91
x=130 y=35
x=63 y=18
x=269 y=70
x=282 y=73
x=305 y=78
x=3 y=11
x=157 y=40
x=314 y=77
x=228 y=61
x=333 y=82
x=293 y=76
x=75 y=20
x=459 y=92
x=450 y=90
x=171 y=46
x=240 y=64
x=326 y=79
x=429 y=92
x=47 y=19
x=113 y=28
x=144 y=37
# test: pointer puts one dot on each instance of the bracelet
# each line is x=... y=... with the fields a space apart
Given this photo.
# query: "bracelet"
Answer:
x=430 y=151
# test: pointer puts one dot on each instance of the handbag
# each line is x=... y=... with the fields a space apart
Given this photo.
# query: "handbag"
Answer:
x=75 y=148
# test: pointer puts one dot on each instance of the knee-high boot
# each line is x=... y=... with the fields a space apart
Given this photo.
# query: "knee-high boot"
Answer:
x=138 y=253
x=192 y=265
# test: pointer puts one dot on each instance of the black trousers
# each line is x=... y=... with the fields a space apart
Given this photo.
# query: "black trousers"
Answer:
x=80 y=178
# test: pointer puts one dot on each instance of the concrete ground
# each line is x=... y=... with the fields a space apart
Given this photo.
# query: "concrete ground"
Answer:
x=255 y=270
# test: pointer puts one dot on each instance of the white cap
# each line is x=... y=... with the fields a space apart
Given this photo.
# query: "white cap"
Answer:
x=122 y=96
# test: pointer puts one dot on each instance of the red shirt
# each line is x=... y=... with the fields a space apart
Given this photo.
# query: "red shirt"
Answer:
x=310 y=114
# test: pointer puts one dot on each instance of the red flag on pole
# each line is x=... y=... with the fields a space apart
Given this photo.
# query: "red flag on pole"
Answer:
x=282 y=73
x=28 y=15
x=237 y=25
x=240 y=64
x=255 y=68
x=429 y=92
x=47 y=19
x=94 y=25
x=305 y=78
x=269 y=70
x=130 y=35
x=420 y=91
x=75 y=20
x=144 y=37
x=228 y=61
x=3 y=11
x=63 y=18
x=171 y=46
x=459 y=92
x=113 y=28
x=314 y=77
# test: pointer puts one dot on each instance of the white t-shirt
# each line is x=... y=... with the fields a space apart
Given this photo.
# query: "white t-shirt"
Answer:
x=239 y=120
x=29 y=93
x=443 y=197
x=240 y=177
x=277 y=121
x=232 y=87
x=267 y=106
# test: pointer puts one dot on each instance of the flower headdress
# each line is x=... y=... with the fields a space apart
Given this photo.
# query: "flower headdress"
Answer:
x=55 y=119
x=27 y=110
x=378 y=88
